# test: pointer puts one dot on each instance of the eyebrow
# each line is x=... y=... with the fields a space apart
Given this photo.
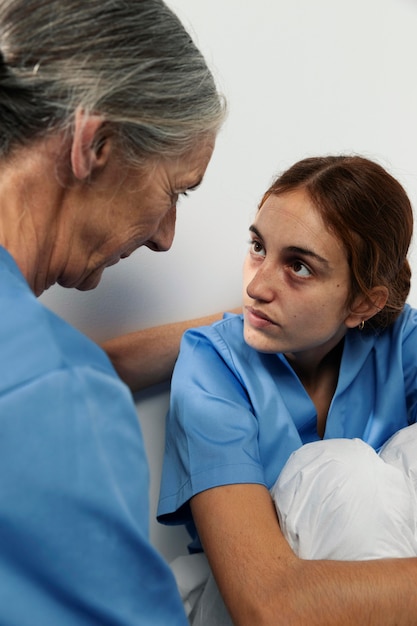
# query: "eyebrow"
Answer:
x=295 y=249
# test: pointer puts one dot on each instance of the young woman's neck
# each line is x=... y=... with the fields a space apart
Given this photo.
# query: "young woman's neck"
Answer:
x=319 y=379
x=311 y=367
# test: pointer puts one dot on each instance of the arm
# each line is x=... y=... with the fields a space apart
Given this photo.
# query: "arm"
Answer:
x=147 y=357
x=264 y=583
x=74 y=533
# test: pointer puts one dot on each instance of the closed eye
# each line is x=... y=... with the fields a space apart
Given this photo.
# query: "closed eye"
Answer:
x=176 y=197
x=186 y=191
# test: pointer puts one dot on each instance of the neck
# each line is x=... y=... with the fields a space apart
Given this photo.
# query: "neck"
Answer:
x=312 y=367
x=30 y=197
x=319 y=379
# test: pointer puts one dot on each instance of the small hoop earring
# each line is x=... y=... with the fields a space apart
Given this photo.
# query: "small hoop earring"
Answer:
x=361 y=326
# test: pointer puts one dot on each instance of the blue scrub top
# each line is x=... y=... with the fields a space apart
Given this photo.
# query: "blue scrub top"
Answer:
x=74 y=512
x=236 y=414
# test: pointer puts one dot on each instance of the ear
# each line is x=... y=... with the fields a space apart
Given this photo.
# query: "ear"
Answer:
x=90 y=147
x=366 y=307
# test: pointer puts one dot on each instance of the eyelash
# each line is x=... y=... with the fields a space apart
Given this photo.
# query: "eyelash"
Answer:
x=290 y=263
x=300 y=263
x=176 y=197
x=253 y=242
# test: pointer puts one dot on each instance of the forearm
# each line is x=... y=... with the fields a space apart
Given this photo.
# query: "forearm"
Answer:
x=147 y=357
x=264 y=583
x=325 y=593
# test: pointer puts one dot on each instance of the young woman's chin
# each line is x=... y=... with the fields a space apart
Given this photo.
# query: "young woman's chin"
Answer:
x=258 y=341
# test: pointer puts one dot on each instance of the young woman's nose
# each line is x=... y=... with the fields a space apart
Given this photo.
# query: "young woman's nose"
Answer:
x=262 y=286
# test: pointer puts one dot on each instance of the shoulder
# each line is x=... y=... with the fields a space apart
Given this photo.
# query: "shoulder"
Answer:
x=402 y=332
x=58 y=392
x=224 y=336
x=34 y=341
x=213 y=352
x=392 y=350
x=407 y=321
x=229 y=328
x=404 y=339
x=51 y=370
x=402 y=329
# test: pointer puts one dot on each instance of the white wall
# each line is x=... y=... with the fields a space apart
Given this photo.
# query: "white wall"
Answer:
x=302 y=78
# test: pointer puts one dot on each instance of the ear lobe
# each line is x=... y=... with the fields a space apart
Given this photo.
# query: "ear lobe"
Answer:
x=89 y=149
x=366 y=307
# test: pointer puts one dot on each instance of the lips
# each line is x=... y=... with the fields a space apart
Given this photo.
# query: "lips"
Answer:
x=257 y=318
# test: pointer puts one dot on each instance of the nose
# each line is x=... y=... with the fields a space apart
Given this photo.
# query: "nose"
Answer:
x=164 y=236
x=262 y=284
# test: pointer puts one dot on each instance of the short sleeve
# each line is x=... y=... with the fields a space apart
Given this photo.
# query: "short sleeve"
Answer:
x=212 y=432
x=74 y=546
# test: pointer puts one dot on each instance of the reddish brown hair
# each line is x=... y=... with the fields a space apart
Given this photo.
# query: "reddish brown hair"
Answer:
x=370 y=213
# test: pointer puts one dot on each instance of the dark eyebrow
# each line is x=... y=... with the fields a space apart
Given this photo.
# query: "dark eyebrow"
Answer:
x=308 y=253
x=253 y=229
x=296 y=249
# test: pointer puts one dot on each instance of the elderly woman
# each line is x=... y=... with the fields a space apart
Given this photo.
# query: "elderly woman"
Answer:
x=108 y=113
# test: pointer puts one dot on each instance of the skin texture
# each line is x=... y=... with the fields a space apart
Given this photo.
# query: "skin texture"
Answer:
x=296 y=286
x=296 y=281
x=296 y=290
x=264 y=583
x=72 y=207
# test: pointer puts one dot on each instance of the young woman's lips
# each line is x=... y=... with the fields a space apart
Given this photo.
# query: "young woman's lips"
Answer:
x=257 y=319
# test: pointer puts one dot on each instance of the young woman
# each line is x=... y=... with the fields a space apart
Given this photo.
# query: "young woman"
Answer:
x=322 y=364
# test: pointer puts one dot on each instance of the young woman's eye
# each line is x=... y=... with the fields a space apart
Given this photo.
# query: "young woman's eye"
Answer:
x=256 y=247
x=300 y=269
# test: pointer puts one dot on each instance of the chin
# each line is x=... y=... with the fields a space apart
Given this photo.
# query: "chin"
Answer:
x=91 y=282
x=87 y=287
x=254 y=341
x=260 y=343
x=86 y=283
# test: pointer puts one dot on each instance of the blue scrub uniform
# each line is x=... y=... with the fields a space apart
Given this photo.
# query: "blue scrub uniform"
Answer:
x=74 y=511
x=236 y=414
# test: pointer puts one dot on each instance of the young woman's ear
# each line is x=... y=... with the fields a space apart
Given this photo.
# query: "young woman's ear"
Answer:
x=366 y=307
x=90 y=147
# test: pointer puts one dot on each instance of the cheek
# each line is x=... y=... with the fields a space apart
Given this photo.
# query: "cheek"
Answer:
x=170 y=217
x=247 y=273
x=339 y=299
x=332 y=310
x=147 y=219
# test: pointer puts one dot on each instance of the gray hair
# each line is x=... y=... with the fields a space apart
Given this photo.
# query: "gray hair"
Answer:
x=131 y=61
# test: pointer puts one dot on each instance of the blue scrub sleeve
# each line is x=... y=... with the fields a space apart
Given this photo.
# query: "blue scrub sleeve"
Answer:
x=409 y=351
x=212 y=432
x=74 y=548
